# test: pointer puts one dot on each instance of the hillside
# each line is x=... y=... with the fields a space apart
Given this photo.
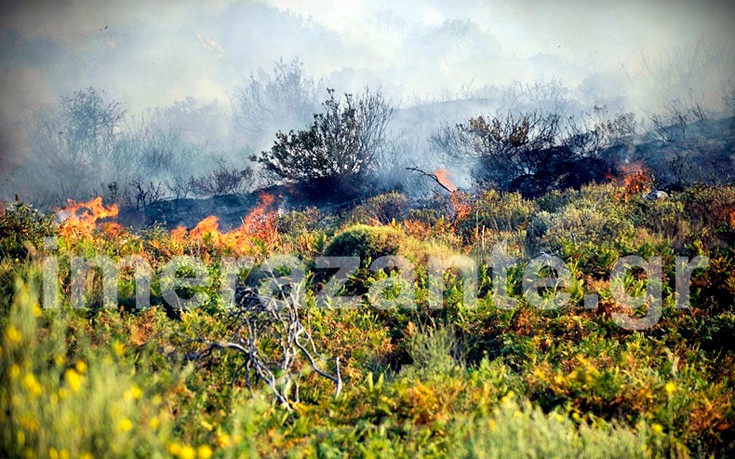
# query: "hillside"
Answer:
x=402 y=369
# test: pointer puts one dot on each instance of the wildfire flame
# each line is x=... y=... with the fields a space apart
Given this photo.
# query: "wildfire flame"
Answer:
x=260 y=223
x=208 y=226
x=80 y=218
x=635 y=178
x=462 y=204
x=442 y=176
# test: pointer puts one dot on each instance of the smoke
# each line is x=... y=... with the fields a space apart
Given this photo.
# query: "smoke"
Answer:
x=184 y=61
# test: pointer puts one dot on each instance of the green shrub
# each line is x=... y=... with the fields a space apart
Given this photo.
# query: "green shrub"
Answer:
x=300 y=221
x=591 y=217
x=499 y=212
x=22 y=227
x=516 y=429
x=59 y=402
x=434 y=350
x=382 y=209
x=366 y=242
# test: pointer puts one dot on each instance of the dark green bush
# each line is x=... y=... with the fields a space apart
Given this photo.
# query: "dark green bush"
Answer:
x=499 y=212
x=366 y=242
x=382 y=209
x=22 y=226
x=300 y=221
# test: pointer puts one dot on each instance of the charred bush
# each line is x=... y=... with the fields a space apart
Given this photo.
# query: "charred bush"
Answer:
x=221 y=181
x=536 y=152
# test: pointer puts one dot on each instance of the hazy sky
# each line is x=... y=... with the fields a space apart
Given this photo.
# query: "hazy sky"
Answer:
x=152 y=53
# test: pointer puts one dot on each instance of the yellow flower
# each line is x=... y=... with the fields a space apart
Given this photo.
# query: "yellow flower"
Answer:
x=14 y=371
x=52 y=453
x=21 y=437
x=59 y=359
x=187 y=452
x=28 y=422
x=86 y=455
x=37 y=311
x=223 y=440
x=124 y=425
x=64 y=454
x=154 y=423
x=32 y=384
x=174 y=449
x=670 y=387
x=657 y=428
x=118 y=348
x=73 y=379
x=134 y=393
x=204 y=452
x=81 y=366
x=207 y=425
x=13 y=335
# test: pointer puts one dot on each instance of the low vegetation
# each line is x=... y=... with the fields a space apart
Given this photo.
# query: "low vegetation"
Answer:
x=468 y=380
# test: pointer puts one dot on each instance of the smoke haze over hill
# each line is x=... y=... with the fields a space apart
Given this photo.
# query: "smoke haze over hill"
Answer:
x=630 y=56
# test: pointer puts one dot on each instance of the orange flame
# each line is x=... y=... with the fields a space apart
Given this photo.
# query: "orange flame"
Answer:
x=208 y=226
x=259 y=215
x=260 y=223
x=442 y=176
x=635 y=179
x=80 y=218
x=461 y=203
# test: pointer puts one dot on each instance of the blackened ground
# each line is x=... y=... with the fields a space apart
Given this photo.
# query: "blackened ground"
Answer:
x=231 y=209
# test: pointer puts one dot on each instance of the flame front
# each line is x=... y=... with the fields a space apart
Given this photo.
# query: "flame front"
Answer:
x=259 y=223
x=207 y=227
x=80 y=218
x=84 y=219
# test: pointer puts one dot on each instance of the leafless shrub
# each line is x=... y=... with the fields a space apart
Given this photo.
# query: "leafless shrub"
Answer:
x=678 y=117
x=286 y=100
x=220 y=181
x=272 y=335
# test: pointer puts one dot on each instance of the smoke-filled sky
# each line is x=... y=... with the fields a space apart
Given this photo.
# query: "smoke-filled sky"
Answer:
x=154 y=52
